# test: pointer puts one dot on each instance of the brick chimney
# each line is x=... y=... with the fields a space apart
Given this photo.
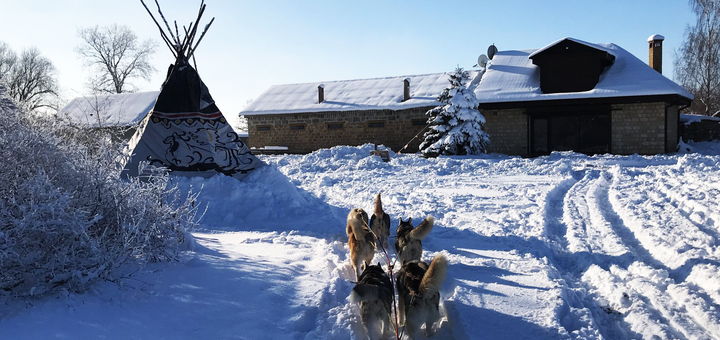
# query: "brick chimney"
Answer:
x=321 y=93
x=406 y=89
x=655 y=42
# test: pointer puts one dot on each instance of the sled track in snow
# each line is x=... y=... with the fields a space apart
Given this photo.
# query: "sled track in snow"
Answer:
x=586 y=230
x=700 y=215
x=592 y=232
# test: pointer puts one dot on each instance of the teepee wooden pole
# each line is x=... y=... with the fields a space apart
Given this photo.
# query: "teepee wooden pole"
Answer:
x=166 y=23
x=192 y=52
x=162 y=33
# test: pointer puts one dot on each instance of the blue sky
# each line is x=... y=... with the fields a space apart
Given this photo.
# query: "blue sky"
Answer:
x=255 y=44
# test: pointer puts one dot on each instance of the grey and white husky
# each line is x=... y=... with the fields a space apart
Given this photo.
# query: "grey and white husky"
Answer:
x=408 y=244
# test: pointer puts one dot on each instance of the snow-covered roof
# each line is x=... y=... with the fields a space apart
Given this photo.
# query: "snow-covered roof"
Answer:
x=345 y=95
x=125 y=109
x=595 y=46
x=512 y=77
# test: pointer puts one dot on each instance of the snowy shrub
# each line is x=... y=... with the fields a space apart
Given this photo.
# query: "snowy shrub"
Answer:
x=455 y=128
x=66 y=219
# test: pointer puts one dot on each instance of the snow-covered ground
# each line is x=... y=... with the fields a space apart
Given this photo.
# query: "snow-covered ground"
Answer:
x=556 y=247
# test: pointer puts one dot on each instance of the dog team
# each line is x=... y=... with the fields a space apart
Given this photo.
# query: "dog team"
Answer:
x=418 y=284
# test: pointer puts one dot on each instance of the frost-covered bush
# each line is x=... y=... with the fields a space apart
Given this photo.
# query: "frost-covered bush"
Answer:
x=66 y=218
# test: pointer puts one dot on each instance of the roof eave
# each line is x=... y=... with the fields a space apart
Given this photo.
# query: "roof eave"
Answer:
x=667 y=98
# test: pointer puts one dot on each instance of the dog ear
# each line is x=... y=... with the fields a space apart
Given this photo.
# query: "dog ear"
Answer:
x=409 y=220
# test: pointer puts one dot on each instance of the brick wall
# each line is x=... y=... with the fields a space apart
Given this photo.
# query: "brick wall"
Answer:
x=638 y=128
x=672 y=130
x=508 y=130
x=328 y=129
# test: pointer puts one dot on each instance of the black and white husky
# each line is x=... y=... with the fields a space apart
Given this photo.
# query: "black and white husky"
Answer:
x=374 y=293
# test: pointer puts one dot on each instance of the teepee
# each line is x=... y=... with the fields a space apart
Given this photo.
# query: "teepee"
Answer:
x=185 y=132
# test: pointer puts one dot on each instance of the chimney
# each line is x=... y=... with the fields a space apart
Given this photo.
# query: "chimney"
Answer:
x=321 y=93
x=655 y=61
x=406 y=89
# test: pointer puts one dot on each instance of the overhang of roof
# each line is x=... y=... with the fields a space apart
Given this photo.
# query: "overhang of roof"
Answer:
x=669 y=99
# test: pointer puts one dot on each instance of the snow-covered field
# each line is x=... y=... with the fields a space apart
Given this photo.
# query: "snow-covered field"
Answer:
x=556 y=247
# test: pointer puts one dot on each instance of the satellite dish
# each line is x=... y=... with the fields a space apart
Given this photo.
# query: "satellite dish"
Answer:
x=482 y=61
x=491 y=51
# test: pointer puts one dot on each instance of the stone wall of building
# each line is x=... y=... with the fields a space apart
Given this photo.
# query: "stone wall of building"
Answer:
x=672 y=130
x=638 y=128
x=508 y=130
x=307 y=132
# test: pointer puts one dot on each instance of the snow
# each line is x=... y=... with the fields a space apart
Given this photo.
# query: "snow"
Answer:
x=595 y=46
x=565 y=246
x=655 y=37
x=512 y=77
x=349 y=95
x=688 y=119
x=125 y=109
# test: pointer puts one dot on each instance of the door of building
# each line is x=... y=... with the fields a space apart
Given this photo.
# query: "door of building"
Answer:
x=584 y=132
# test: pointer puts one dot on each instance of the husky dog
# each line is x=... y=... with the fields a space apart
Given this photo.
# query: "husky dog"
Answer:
x=408 y=244
x=374 y=294
x=380 y=223
x=418 y=287
x=360 y=240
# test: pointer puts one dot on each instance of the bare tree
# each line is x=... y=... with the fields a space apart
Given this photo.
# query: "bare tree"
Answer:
x=30 y=78
x=697 y=62
x=116 y=56
x=7 y=59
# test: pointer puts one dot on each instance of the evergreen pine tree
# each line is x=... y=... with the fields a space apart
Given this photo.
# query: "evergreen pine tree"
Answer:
x=456 y=128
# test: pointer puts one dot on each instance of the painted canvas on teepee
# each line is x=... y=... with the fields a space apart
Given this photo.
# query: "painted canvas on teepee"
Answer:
x=186 y=132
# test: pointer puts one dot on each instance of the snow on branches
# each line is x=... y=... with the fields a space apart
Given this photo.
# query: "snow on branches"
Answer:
x=66 y=218
x=456 y=128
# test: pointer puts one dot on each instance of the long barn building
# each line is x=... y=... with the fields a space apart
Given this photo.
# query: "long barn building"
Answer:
x=568 y=95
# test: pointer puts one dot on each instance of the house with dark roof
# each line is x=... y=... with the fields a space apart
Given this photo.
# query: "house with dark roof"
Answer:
x=568 y=95
x=574 y=95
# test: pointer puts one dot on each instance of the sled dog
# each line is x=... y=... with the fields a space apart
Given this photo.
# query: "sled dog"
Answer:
x=418 y=288
x=360 y=240
x=380 y=223
x=374 y=294
x=408 y=244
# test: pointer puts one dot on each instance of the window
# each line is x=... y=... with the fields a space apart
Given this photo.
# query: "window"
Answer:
x=419 y=122
x=263 y=127
x=297 y=126
x=378 y=124
x=335 y=126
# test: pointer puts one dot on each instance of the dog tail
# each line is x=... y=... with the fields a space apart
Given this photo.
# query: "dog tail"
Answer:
x=364 y=292
x=423 y=229
x=435 y=275
x=379 y=212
